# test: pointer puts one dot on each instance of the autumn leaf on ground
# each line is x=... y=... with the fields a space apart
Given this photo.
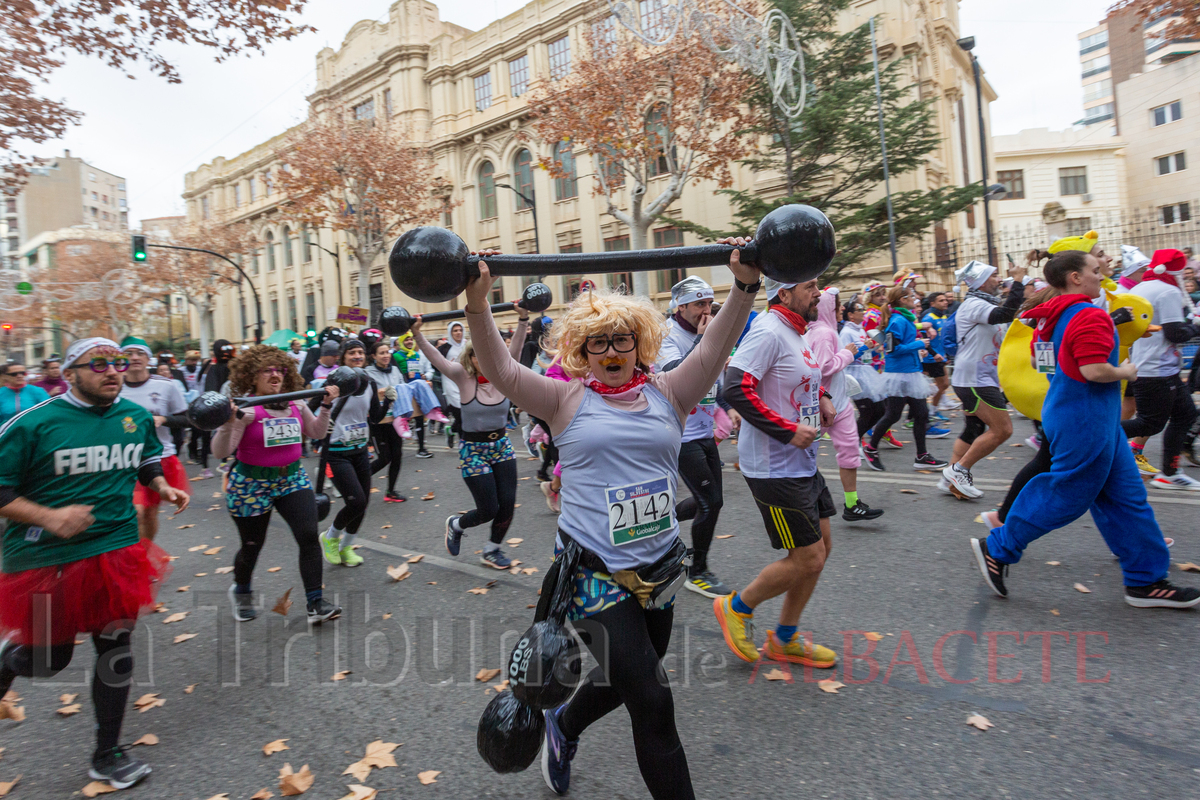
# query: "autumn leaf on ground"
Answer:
x=294 y=783
x=909 y=491
x=1054 y=611
x=212 y=551
x=276 y=746
x=359 y=769
x=2 y=752
x=1054 y=563
x=428 y=776
x=262 y=794
x=777 y=674
x=147 y=739
x=223 y=570
x=183 y=588
x=384 y=527
x=148 y=701
x=201 y=574
x=501 y=686
x=977 y=721
x=725 y=536
x=428 y=496
x=283 y=604
x=65 y=699
x=12 y=711
x=872 y=636
x=830 y=685
x=388 y=615
x=478 y=590
x=515 y=540
x=67 y=711
x=340 y=675
x=6 y=787
x=360 y=792
x=399 y=573
x=196 y=548
x=1079 y=587
x=416 y=559
x=221 y=796
x=178 y=616
x=189 y=525
x=485 y=675
x=97 y=788
x=190 y=688
x=529 y=570
x=274 y=569
x=379 y=754
x=1188 y=566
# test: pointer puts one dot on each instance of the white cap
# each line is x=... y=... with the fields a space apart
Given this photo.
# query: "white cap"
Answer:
x=773 y=286
x=81 y=346
x=975 y=274
x=1132 y=259
x=690 y=290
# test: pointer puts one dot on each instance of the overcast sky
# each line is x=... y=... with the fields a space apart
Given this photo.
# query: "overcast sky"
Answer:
x=151 y=132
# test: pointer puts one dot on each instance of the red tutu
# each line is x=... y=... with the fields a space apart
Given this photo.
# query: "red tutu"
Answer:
x=49 y=605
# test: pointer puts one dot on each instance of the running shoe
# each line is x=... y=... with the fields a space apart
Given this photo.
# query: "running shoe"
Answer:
x=437 y=416
x=1192 y=454
x=1176 y=482
x=322 y=610
x=944 y=486
x=495 y=559
x=825 y=437
x=861 y=512
x=120 y=769
x=1033 y=442
x=934 y=432
x=738 y=629
x=394 y=497
x=872 y=457
x=422 y=453
x=799 y=651
x=205 y=474
x=450 y=440
x=961 y=483
x=1144 y=466
x=244 y=609
x=993 y=571
x=350 y=558
x=939 y=416
x=949 y=403
x=926 y=461
x=530 y=447
x=707 y=584
x=543 y=476
x=405 y=433
x=331 y=548
x=552 y=500
x=991 y=519
x=891 y=441
x=908 y=423
x=557 y=752
x=1162 y=594
x=453 y=534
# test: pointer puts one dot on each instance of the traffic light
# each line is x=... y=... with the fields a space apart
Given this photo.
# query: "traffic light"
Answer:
x=139 y=247
x=7 y=327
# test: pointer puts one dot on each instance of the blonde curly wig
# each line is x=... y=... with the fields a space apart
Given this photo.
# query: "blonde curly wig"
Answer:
x=602 y=312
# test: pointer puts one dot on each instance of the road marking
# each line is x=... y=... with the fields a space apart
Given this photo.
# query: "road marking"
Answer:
x=487 y=573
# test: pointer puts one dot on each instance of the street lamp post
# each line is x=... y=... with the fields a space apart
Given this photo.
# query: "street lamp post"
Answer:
x=258 y=328
x=968 y=44
x=337 y=265
x=887 y=182
x=537 y=247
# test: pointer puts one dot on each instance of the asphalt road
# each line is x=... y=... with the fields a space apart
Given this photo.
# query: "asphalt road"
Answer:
x=1104 y=708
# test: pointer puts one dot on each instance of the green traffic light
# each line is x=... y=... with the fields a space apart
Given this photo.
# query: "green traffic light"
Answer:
x=139 y=256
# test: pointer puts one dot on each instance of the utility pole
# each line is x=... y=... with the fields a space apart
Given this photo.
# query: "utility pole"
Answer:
x=258 y=329
x=887 y=183
x=968 y=44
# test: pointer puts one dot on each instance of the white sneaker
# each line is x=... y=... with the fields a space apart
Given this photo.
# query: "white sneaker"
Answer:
x=960 y=482
x=1176 y=481
x=949 y=403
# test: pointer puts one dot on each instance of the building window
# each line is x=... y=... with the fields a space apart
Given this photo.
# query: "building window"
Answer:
x=1171 y=112
x=270 y=237
x=268 y=184
x=254 y=265
x=305 y=245
x=1097 y=113
x=1179 y=212
x=619 y=281
x=123 y=203
x=237 y=195
x=387 y=102
x=518 y=75
x=310 y=311
x=274 y=313
x=91 y=176
x=560 y=58
x=1078 y=226
x=483 y=91
x=375 y=292
x=614 y=176
x=487 y=191
x=10 y=205
x=604 y=37
x=287 y=247
x=652 y=16
x=669 y=237
x=253 y=192
x=1096 y=66
x=1175 y=162
x=656 y=132
x=203 y=208
x=524 y=174
x=498 y=292
x=1072 y=180
x=567 y=186
x=365 y=110
x=1090 y=44
x=1097 y=90
x=1014 y=183
x=293 y=322
x=120 y=187
x=242 y=304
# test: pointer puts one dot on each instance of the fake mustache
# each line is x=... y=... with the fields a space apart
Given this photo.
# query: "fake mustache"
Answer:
x=613 y=361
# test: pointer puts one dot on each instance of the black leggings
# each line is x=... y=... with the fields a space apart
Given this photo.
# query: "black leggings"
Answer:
x=629 y=643
x=111 y=676
x=869 y=413
x=549 y=450
x=495 y=496
x=893 y=410
x=1039 y=464
x=387 y=446
x=700 y=468
x=1163 y=403
x=352 y=476
x=200 y=446
x=299 y=511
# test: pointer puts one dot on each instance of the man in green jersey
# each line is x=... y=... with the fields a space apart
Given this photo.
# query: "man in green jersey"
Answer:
x=71 y=557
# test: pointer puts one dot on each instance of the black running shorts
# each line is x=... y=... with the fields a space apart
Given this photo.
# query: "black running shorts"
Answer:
x=973 y=396
x=934 y=369
x=792 y=508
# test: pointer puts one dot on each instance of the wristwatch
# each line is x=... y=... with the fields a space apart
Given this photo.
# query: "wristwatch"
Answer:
x=750 y=288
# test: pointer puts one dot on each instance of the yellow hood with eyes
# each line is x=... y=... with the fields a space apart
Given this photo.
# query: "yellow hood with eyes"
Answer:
x=1025 y=387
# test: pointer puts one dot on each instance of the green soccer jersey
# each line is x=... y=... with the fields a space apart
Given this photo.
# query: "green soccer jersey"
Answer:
x=63 y=452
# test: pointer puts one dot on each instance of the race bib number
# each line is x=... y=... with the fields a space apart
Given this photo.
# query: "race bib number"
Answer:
x=1043 y=357
x=639 y=511
x=278 y=431
x=710 y=399
x=810 y=416
x=355 y=435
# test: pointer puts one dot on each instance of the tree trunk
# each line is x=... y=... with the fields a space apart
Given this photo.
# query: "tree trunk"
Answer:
x=637 y=241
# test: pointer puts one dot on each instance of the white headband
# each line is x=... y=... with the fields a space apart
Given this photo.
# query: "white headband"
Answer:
x=81 y=346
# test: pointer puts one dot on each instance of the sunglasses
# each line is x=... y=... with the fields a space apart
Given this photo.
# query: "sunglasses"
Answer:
x=100 y=364
x=620 y=342
x=15 y=374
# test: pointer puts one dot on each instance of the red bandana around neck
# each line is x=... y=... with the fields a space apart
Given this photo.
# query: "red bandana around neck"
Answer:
x=635 y=382
x=791 y=318
x=481 y=379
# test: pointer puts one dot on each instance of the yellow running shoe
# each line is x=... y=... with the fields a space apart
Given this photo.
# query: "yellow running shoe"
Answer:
x=798 y=651
x=738 y=628
x=349 y=557
x=1144 y=466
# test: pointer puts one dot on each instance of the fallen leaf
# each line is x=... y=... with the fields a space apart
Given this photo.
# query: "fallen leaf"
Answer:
x=294 y=783
x=97 y=787
x=515 y=540
x=529 y=570
x=143 y=704
x=399 y=573
x=379 y=754
x=501 y=686
x=1054 y=563
x=183 y=588
x=871 y=636
x=777 y=675
x=283 y=604
x=189 y=525
x=276 y=746
x=478 y=590
x=212 y=551
x=178 y=616
x=216 y=494
x=531 y=605
x=991 y=458
x=190 y=688
x=416 y=559
x=485 y=675
x=374 y=490
x=148 y=739
x=428 y=496
x=197 y=547
x=384 y=527
x=274 y=569
x=201 y=574
x=340 y=675
x=67 y=711
x=428 y=776
x=360 y=792
x=388 y=615
x=262 y=794
x=6 y=787
x=909 y=491
x=1079 y=587
x=67 y=698
x=223 y=570
x=830 y=685
x=1188 y=566
x=1054 y=611
x=981 y=722
x=221 y=796
x=725 y=536
x=360 y=770
x=11 y=696
x=2 y=752
x=431 y=583
x=11 y=711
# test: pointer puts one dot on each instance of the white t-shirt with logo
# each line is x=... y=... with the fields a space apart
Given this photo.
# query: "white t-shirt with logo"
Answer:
x=676 y=345
x=790 y=386
x=978 y=344
x=1154 y=356
x=160 y=396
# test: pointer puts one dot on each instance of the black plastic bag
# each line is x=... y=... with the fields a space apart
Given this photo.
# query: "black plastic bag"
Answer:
x=510 y=733
x=545 y=666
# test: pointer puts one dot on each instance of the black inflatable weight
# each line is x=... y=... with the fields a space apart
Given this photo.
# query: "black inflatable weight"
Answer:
x=509 y=735
x=545 y=665
x=209 y=411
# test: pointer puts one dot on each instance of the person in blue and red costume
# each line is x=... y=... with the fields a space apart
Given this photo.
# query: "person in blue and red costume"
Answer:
x=1091 y=467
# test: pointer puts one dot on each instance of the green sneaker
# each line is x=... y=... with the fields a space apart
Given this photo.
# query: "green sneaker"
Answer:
x=349 y=557
x=332 y=549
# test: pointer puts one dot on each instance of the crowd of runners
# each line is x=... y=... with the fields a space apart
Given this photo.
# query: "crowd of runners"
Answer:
x=625 y=409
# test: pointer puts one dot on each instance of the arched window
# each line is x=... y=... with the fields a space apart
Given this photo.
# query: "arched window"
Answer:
x=487 y=191
x=524 y=176
x=287 y=247
x=305 y=251
x=565 y=187
x=270 y=246
x=656 y=132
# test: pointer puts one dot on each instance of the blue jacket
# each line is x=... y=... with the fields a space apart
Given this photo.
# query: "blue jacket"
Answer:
x=934 y=345
x=12 y=403
x=903 y=355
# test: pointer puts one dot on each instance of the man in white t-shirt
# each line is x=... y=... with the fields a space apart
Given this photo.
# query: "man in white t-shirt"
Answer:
x=1163 y=401
x=774 y=382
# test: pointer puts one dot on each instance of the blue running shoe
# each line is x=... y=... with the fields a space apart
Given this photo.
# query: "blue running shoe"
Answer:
x=934 y=432
x=495 y=559
x=557 y=752
x=939 y=416
x=454 y=534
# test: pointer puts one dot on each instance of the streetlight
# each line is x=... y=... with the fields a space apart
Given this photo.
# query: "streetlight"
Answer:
x=887 y=181
x=967 y=43
x=337 y=263
x=258 y=330
x=530 y=201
